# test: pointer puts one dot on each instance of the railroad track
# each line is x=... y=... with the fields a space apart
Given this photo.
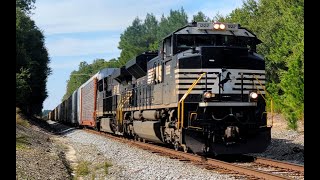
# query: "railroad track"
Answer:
x=260 y=168
x=286 y=169
x=295 y=171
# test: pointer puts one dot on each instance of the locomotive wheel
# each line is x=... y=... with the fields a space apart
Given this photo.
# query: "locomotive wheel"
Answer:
x=135 y=138
x=185 y=148
x=176 y=146
x=96 y=128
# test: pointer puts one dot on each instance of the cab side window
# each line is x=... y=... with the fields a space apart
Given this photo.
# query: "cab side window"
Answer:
x=100 y=85
x=167 y=46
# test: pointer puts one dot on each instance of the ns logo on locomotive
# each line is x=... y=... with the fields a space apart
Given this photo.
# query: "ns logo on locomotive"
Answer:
x=203 y=92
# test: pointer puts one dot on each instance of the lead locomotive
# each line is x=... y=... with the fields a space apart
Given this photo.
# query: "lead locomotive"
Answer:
x=203 y=91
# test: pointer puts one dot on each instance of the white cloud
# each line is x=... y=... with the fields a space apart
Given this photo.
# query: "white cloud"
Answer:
x=61 y=16
x=71 y=16
x=64 y=65
x=78 y=47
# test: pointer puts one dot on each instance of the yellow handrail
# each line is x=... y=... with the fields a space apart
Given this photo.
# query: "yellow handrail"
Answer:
x=123 y=100
x=181 y=102
x=271 y=100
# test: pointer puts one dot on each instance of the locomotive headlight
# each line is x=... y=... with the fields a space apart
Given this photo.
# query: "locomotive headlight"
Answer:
x=253 y=95
x=222 y=26
x=216 y=26
x=207 y=95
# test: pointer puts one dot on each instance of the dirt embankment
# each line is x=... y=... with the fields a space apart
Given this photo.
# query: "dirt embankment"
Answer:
x=38 y=154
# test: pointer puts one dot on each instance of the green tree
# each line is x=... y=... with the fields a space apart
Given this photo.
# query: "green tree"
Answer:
x=77 y=78
x=84 y=72
x=131 y=41
x=292 y=84
x=280 y=26
x=45 y=112
x=25 y=5
x=31 y=55
x=175 y=20
x=23 y=89
x=146 y=35
x=151 y=29
x=201 y=17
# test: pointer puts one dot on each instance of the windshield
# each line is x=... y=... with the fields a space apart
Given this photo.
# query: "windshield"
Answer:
x=186 y=41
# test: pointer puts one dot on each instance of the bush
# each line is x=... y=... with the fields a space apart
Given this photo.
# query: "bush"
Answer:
x=20 y=118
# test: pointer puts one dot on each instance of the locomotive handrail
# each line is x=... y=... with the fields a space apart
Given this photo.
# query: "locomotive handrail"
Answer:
x=123 y=100
x=181 y=102
x=271 y=100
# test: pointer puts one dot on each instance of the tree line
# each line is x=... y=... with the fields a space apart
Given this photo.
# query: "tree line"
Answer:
x=32 y=61
x=279 y=24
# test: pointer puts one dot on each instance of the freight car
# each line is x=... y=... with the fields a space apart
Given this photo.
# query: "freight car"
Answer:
x=203 y=91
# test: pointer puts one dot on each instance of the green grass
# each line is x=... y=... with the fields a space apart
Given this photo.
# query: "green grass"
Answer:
x=82 y=168
x=106 y=166
x=93 y=176
x=21 y=142
x=85 y=168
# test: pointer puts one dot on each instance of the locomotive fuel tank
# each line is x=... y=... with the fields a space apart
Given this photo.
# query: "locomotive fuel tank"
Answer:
x=105 y=125
x=153 y=115
x=149 y=130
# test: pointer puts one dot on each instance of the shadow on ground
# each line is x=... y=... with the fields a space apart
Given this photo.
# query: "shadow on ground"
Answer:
x=280 y=149
x=51 y=126
x=284 y=150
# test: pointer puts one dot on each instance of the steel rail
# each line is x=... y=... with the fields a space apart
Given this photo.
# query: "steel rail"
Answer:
x=280 y=164
x=212 y=162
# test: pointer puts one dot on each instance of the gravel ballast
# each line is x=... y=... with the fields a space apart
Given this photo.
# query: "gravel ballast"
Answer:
x=57 y=153
x=286 y=145
x=133 y=163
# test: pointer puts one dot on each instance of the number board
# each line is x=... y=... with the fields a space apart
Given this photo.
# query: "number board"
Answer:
x=205 y=25
x=232 y=27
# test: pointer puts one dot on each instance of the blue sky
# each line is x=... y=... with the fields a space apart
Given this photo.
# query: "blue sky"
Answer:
x=82 y=30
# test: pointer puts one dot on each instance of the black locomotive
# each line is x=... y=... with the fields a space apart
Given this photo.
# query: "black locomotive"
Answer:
x=203 y=91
